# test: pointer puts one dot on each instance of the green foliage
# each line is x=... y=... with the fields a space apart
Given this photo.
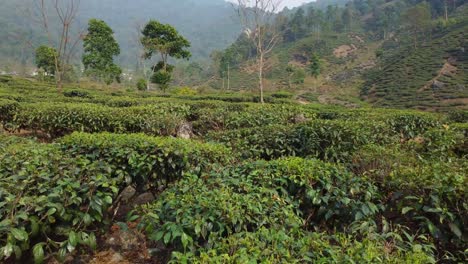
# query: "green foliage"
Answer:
x=142 y=85
x=253 y=196
x=411 y=125
x=315 y=67
x=279 y=246
x=60 y=119
x=327 y=140
x=46 y=58
x=7 y=112
x=165 y=40
x=395 y=192
x=53 y=196
x=417 y=19
x=184 y=91
x=49 y=196
x=162 y=78
x=405 y=76
x=148 y=161
x=77 y=93
x=99 y=49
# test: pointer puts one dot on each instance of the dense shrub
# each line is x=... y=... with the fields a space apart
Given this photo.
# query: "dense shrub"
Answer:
x=458 y=116
x=328 y=140
x=52 y=196
x=77 y=93
x=199 y=210
x=141 y=85
x=462 y=146
x=7 y=112
x=411 y=125
x=279 y=246
x=148 y=161
x=251 y=116
x=61 y=119
x=49 y=201
x=267 y=143
x=429 y=194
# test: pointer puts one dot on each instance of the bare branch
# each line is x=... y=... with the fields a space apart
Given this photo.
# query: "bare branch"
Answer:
x=257 y=19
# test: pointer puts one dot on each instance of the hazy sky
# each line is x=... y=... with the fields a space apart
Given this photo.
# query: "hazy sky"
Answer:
x=289 y=3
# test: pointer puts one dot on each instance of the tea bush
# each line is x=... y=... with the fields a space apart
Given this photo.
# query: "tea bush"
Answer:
x=280 y=246
x=148 y=161
x=334 y=140
x=250 y=116
x=61 y=119
x=8 y=109
x=429 y=194
x=49 y=201
x=275 y=195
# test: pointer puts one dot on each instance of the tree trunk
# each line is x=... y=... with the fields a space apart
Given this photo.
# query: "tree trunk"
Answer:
x=260 y=77
x=229 y=78
x=58 y=80
x=315 y=84
x=446 y=10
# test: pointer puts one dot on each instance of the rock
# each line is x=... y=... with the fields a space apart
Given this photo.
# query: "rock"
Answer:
x=185 y=131
x=436 y=85
x=300 y=118
x=108 y=257
x=143 y=198
x=127 y=194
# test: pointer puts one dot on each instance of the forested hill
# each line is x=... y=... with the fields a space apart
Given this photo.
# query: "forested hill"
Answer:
x=208 y=24
x=392 y=53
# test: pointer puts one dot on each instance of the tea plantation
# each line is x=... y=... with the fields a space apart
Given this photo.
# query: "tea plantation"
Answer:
x=245 y=183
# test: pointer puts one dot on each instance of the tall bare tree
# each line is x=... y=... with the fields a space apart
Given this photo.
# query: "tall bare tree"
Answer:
x=66 y=11
x=257 y=18
x=147 y=65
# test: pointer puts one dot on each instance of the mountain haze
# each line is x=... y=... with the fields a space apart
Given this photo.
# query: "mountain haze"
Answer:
x=207 y=24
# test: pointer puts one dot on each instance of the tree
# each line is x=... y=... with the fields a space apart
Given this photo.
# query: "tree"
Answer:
x=165 y=40
x=417 y=20
x=257 y=18
x=347 y=18
x=100 y=47
x=315 y=67
x=65 y=45
x=296 y=75
x=45 y=59
x=297 y=24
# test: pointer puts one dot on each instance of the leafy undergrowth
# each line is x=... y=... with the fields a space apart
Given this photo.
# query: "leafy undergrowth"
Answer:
x=279 y=183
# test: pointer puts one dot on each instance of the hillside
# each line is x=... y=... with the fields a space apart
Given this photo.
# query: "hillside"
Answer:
x=367 y=57
x=336 y=132
x=208 y=24
x=433 y=76
x=109 y=175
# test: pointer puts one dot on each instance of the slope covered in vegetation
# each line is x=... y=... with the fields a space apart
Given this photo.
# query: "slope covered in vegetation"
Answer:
x=366 y=52
x=432 y=76
x=109 y=177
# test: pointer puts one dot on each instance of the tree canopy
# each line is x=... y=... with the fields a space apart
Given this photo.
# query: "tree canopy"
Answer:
x=100 y=47
x=165 y=40
x=46 y=58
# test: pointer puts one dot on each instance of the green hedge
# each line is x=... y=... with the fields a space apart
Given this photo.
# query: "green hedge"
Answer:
x=61 y=119
x=260 y=194
x=427 y=192
x=250 y=116
x=53 y=195
x=50 y=202
x=334 y=140
x=148 y=161
x=8 y=110
x=280 y=246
